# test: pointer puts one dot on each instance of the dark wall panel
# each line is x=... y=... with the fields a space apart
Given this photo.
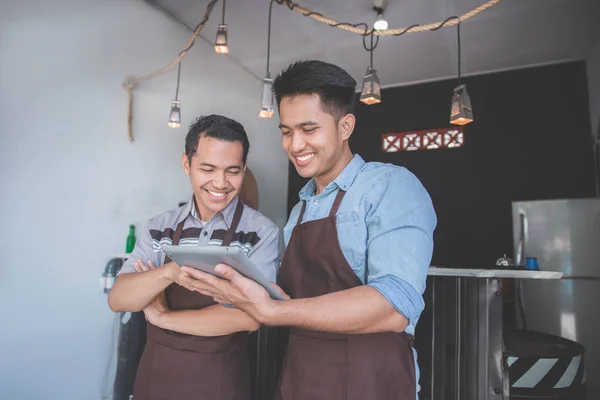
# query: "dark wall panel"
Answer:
x=531 y=139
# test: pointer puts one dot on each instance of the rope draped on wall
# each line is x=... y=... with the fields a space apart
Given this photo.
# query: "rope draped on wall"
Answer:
x=131 y=81
x=359 y=28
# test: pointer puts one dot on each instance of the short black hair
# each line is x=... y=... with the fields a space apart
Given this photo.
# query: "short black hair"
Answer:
x=335 y=87
x=215 y=126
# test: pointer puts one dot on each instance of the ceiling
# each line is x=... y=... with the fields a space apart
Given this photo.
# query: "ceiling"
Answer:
x=512 y=34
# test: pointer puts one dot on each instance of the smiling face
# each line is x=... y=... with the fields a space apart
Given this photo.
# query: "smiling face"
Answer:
x=216 y=173
x=313 y=140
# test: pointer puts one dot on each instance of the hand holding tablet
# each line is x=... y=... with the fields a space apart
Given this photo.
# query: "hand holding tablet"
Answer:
x=206 y=258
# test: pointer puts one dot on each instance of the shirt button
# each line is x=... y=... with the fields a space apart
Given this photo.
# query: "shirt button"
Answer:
x=205 y=233
x=316 y=201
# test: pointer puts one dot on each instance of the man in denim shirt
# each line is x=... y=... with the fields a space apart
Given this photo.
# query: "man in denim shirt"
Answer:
x=358 y=246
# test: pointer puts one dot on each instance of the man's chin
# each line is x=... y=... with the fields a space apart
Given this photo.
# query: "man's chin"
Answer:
x=305 y=172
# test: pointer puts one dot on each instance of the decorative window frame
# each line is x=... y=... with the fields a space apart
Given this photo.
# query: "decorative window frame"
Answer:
x=429 y=139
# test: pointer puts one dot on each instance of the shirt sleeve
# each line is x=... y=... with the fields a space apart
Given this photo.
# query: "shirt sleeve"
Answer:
x=143 y=250
x=400 y=224
x=265 y=254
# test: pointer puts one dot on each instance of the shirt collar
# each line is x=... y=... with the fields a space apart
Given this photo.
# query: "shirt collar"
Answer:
x=343 y=180
x=188 y=209
x=227 y=214
x=229 y=211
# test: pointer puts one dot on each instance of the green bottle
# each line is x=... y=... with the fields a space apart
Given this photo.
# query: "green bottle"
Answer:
x=130 y=240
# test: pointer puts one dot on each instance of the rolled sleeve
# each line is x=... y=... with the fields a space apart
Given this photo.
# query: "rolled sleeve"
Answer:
x=143 y=250
x=400 y=224
x=265 y=255
x=405 y=299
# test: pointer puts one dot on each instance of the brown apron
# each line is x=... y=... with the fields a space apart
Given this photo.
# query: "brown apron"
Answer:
x=329 y=366
x=176 y=366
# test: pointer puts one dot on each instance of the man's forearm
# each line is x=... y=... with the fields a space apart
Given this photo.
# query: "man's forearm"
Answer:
x=358 y=310
x=133 y=292
x=214 y=320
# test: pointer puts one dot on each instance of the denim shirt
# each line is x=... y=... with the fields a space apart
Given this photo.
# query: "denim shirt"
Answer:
x=385 y=227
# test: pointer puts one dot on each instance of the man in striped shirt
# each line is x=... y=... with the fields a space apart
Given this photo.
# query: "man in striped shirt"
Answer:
x=186 y=329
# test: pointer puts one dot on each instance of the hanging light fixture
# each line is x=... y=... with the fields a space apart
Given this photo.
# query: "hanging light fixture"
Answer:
x=175 y=115
x=371 y=92
x=381 y=23
x=221 y=40
x=267 y=108
x=461 y=112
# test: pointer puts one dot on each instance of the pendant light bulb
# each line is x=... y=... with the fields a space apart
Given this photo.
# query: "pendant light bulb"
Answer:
x=221 y=40
x=371 y=92
x=175 y=116
x=461 y=112
x=267 y=108
x=381 y=23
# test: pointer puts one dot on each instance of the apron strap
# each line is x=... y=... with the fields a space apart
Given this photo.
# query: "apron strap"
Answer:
x=301 y=212
x=234 y=224
x=334 y=207
x=177 y=235
x=176 y=238
x=337 y=202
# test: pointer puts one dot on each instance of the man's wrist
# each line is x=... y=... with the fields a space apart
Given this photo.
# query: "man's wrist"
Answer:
x=270 y=313
x=162 y=318
x=169 y=271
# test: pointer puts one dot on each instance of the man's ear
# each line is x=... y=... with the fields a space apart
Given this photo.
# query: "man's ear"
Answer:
x=346 y=125
x=185 y=163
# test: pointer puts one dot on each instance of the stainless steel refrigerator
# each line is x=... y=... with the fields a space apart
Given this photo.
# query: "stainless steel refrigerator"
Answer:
x=564 y=235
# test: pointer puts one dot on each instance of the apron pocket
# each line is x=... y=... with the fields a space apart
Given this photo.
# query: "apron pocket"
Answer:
x=184 y=375
x=315 y=369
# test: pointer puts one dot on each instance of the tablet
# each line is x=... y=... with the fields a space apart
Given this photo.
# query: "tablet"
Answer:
x=206 y=258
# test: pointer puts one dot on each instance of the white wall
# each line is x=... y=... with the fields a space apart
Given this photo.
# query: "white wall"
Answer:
x=71 y=183
x=593 y=73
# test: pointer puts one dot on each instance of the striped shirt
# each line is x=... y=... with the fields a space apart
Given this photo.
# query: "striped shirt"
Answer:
x=256 y=235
